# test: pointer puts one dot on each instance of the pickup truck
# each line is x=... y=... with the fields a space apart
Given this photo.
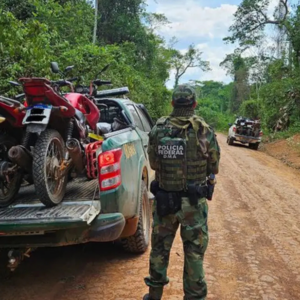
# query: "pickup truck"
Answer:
x=113 y=207
x=245 y=131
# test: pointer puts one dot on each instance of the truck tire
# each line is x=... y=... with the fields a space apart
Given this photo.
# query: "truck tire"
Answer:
x=139 y=242
x=254 y=146
x=230 y=141
x=46 y=163
x=8 y=190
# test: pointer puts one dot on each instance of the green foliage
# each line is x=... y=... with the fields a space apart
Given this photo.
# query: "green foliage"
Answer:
x=213 y=103
x=251 y=109
x=22 y=10
x=35 y=32
x=270 y=86
x=242 y=70
x=120 y=21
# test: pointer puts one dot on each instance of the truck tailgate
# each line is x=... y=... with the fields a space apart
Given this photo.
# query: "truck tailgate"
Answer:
x=79 y=207
x=68 y=214
x=246 y=139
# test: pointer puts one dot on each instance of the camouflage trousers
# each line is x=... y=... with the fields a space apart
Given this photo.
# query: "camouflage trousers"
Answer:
x=194 y=235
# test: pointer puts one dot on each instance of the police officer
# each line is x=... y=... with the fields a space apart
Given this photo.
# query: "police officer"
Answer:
x=183 y=151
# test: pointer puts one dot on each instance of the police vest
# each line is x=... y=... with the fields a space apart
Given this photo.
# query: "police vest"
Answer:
x=179 y=158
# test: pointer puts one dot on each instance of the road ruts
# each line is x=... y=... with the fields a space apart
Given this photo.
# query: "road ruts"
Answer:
x=254 y=249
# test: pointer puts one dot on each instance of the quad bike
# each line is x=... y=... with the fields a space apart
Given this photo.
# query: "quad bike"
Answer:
x=12 y=133
x=62 y=124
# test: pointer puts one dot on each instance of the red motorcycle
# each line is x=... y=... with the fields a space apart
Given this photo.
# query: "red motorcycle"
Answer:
x=62 y=124
x=12 y=133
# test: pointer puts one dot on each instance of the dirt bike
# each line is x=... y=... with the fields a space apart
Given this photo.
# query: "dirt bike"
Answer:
x=62 y=123
x=91 y=91
x=12 y=133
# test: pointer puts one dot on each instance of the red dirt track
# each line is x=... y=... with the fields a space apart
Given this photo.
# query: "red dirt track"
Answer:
x=254 y=249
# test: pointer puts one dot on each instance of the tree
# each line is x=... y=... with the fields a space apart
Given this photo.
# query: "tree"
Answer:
x=120 y=21
x=213 y=99
x=181 y=62
x=154 y=20
x=96 y=21
x=62 y=30
x=251 y=18
x=238 y=68
x=22 y=10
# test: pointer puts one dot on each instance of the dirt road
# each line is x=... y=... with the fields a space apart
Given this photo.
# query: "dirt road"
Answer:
x=254 y=250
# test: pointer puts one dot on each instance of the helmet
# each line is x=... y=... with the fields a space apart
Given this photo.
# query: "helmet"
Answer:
x=184 y=96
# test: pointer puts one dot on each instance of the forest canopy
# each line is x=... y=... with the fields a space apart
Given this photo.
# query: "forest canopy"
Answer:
x=123 y=34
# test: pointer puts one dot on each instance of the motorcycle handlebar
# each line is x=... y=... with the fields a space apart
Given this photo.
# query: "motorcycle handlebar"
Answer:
x=63 y=82
x=101 y=82
x=73 y=79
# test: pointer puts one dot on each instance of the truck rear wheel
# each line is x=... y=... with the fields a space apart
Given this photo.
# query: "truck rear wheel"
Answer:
x=139 y=242
x=254 y=146
x=230 y=141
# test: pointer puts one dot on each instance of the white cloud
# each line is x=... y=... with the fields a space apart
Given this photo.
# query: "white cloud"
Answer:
x=191 y=20
x=197 y=22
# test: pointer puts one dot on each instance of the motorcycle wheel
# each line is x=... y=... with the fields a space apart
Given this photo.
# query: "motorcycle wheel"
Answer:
x=9 y=187
x=48 y=157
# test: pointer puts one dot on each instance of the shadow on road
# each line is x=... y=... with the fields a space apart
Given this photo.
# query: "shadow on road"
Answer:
x=50 y=266
x=241 y=146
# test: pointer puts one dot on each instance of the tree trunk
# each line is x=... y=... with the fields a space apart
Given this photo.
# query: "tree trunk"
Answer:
x=96 y=22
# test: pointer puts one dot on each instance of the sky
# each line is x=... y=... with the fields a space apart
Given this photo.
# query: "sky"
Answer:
x=203 y=23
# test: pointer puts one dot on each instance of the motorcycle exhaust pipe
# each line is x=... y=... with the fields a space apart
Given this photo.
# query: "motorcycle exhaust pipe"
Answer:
x=73 y=147
x=20 y=156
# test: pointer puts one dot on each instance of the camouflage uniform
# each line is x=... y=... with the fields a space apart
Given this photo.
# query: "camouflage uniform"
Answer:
x=193 y=219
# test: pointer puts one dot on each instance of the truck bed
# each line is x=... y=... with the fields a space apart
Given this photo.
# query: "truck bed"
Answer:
x=79 y=188
x=80 y=204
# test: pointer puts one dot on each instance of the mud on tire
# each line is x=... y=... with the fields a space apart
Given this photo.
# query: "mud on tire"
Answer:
x=41 y=171
x=139 y=242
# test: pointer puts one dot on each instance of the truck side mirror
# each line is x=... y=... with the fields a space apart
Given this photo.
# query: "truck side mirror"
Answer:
x=229 y=124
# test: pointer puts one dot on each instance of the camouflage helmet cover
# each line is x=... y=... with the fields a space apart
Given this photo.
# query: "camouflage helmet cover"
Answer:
x=184 y=96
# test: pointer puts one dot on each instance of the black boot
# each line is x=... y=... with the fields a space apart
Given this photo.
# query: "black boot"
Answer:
x=147 y=297
x=155 y=293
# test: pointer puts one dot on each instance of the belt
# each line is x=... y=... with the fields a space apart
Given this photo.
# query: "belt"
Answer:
x=200 y=189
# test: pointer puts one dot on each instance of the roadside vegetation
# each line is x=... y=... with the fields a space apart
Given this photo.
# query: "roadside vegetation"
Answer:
x=265 y=78
x=121 y=33
x=265 y=66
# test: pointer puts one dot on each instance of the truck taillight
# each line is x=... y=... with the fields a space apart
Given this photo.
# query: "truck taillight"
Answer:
x=261 y=133
x=109 y=164
x=234 y=129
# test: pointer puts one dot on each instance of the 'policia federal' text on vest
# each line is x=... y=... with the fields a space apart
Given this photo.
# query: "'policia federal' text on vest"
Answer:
x=179 y=158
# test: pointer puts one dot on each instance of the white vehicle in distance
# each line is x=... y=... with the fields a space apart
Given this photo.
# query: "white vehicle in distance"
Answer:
x=245 y=131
